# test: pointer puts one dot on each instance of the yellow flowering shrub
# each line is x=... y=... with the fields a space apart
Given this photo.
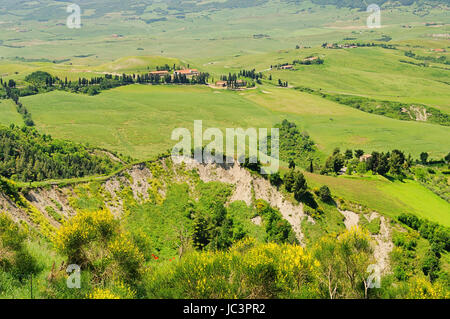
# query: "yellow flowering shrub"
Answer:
x=421 y=288
x=127 y=256
x=94 y=240
x=116 y=291
x=102 y=293
x=86 y=227
x=247 y=270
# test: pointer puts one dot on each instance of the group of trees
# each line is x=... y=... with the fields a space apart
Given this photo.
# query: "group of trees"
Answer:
x=437 y=235
x=41 y=81
x=296 y=146
x=278 y=229
x=12 y=93
x=441 y=59
x=394 y=163
x=360 y=45
x=309 y=61
x=241 y=79
x=295 y=182
x=215 y=230
x=283 y=84
x=26 y=155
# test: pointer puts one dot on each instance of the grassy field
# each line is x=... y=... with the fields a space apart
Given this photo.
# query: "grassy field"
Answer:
x=138 y=120
x=194 y=34
x=370 y=72
x=333 y=125
x=391 y=198
x=9 y=114
x=18 y=70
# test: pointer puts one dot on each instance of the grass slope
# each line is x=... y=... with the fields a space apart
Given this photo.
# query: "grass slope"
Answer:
x=391 y=198
x=138 y=120
x=9 y=114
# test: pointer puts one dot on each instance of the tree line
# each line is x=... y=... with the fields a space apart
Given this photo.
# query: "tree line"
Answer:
x=11 y=93
x=26 y=155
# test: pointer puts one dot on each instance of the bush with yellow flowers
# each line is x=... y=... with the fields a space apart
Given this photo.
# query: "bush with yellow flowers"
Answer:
x=126 y=255
x=117 y=290
x=96 y=242
x=77 y=236
x=247 y=270
x=421 y=288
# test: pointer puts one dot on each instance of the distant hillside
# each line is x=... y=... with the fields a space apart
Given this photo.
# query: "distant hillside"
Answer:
x=45 y=10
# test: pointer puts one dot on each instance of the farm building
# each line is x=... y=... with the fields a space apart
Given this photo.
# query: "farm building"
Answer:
x=187 y=72
x=365 y=157
x=160 y=73
x=313 y=58
x=221 y=84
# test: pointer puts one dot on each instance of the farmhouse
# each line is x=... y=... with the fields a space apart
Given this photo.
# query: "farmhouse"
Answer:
x=438 y=50
x=187 y=72
x=240 y=83
x=221 y=84
x=287 y=67
x=365 y=157
x=313 y=58
x=160 y=73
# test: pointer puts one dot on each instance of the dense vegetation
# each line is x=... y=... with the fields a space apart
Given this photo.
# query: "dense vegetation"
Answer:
x=297 y=146
x=26 y=155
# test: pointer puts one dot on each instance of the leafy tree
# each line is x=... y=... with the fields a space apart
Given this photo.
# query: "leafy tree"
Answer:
x=348 y=154
x=383 y=165
x=424 y=157
x=447 y=158
x=299 y=186
x=275 y=179
x=325 y=193
x=361 y=168
x=335 y=162
x=359 y=153
x=396 y=161
x=289 y=180
x=291 y=164
x=343 y=264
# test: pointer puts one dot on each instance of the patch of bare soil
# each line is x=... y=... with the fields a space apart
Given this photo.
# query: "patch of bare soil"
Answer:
x=140 y=175
x=112 y=186
x=54 y=198
x=249 y=188
x=17 y=214
x=351 y=218
x=384 y=244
